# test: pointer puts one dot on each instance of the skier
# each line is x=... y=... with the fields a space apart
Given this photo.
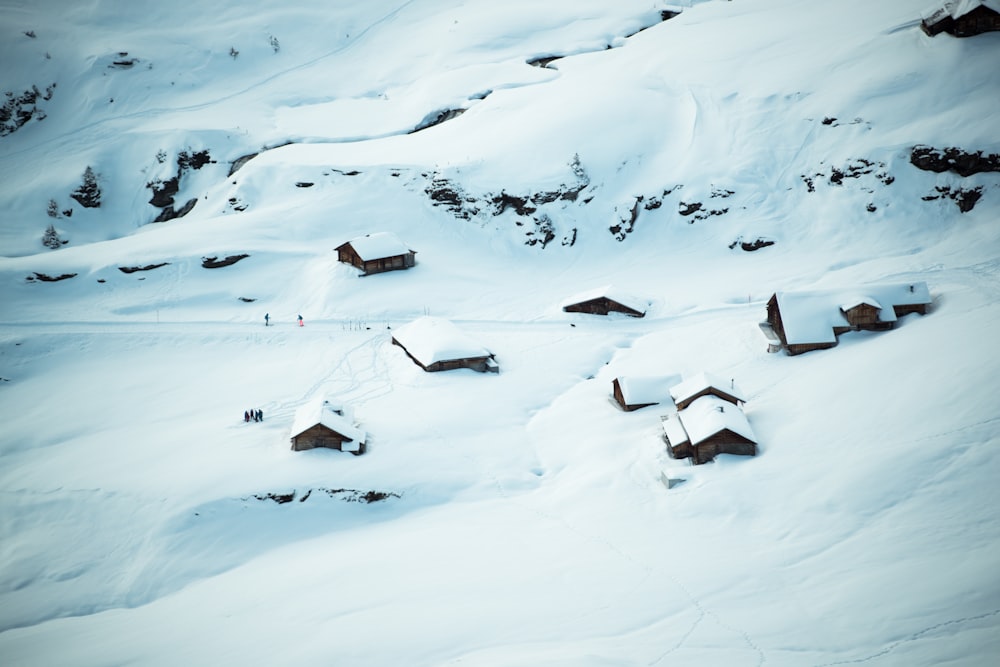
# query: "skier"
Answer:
x=246 y=416
x=260 y=415
x=267 y=319
x=301 y=323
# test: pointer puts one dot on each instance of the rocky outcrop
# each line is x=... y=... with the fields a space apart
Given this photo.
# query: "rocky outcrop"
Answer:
x=963 y=163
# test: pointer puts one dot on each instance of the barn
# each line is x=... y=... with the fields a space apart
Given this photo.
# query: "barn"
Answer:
x=605 y=300
x=376 y=253
x=436 y=344
x=320 y=423
x=812 y=320
x=709 y=426
x=706 y=384
x=962 y=18
x=632 y=392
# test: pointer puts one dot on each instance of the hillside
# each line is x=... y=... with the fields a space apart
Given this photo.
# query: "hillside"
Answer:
x=701 y=161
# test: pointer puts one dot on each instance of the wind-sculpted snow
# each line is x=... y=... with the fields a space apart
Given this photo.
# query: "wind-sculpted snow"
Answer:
x=526 y=152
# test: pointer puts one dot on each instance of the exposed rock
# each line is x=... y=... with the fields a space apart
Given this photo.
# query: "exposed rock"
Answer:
x=961 y=162
x=965 y=198
x=51 y=279
x=169 y=213
x=216 y=263
x=148 y=267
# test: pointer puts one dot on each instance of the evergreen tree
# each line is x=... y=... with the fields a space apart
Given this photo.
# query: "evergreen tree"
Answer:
x=89 y=192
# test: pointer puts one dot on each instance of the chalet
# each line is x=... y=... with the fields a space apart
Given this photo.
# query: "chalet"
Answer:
x=707 y=427
x=605 y=300
x=633 y=392
x=320 y=423
x=376 y=253
x=962 y=18
x=436 y=344
x=812 y=320
x=706 y=384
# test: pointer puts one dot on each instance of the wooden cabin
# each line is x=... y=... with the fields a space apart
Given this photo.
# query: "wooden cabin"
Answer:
x=377 y=253
x=706 y=384
x=634 y=392
x=605 y=300
x=812 y=320
x=436 y=344
x=963 y=18
x=707 y=427
x=320 y=423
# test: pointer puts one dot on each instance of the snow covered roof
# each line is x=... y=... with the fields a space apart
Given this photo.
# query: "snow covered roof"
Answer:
x=810 y=316
x=608 y=292
x=432 y=339
x=674 y=430
x=957 y=9
x=698 y=383
x=709 y=415
x=330 y=415
x=855 y=301
x=644 y=389
x=378 y=245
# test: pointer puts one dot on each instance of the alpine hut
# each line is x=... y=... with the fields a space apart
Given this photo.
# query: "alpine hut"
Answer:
x=605 y=300
x=320 y=423
x=812 y=320
x=632 y=392
x=707 y=427
x=706 y=384
x=376 y=253
x=436 y=344
x=962 y=18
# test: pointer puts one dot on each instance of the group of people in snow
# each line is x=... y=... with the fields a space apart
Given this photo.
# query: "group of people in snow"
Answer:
x=253 y=416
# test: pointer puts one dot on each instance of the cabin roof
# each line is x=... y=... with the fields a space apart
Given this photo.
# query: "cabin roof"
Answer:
x=377 y=246
x=810 y=316
x=322 y=412
x=710 y=415
x=608 y=292
x=674 y=430
x=432 y=339
x=643 y=389
x=956 y=9
x=855 y=301
x=698 y=383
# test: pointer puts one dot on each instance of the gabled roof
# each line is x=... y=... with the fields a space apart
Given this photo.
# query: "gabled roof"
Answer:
x=330 y=415
x=377 y=246
x=608 y=292
x=702 y=381
x=647 y=389
x=674 y=430
x=710 y=415
x=855 y=301
x=810 y=316
x=957 y=9
x=433 y=339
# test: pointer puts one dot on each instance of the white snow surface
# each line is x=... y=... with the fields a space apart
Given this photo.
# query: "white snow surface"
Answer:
x=519 y=519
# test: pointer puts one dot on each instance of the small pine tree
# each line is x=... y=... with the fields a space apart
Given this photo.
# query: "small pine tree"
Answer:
x=53 y=210
x=50 y=239
x=89 y=192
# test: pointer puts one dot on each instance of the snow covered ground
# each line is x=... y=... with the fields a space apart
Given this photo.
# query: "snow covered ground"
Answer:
x=519 y=518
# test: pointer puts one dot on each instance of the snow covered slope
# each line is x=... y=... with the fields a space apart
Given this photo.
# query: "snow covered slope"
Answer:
x=527 y=152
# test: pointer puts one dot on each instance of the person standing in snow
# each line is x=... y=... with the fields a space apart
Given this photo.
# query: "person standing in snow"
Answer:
x=260 y=415
x=267 y=318
x=301 y=323
x=246 y=416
